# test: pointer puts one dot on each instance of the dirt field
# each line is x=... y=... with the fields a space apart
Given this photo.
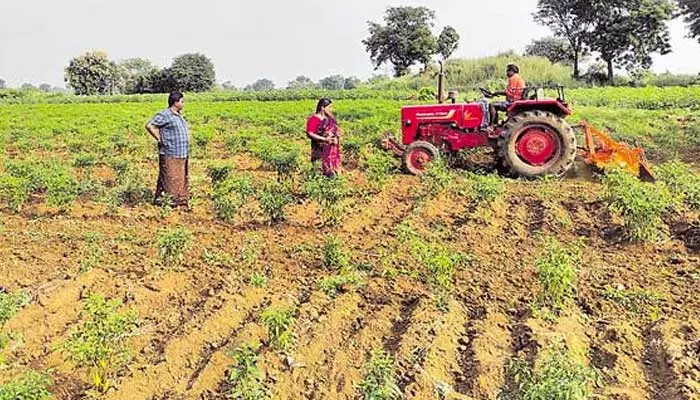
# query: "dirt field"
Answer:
x=634 y=316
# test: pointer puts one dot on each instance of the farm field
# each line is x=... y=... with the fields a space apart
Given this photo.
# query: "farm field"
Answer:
x=279 y=284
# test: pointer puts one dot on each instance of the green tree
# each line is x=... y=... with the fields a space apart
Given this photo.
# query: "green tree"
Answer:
x=93 y=74
x=566 y=18
x=137 y=75
x=28 y=86
x=351 y=83
x=405 y=40
x=691 y=10
x=3 y=83
x=556 y=50
x=261 y=85
x=162 y=81
x=447 y=42
x=45 y=87
x=628 y=32
x=333 y=82
x=193 y=72
x=228 y=85
x=301 y=82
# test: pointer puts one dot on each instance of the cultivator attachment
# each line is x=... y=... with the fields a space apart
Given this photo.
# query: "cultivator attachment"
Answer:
x=602 y=151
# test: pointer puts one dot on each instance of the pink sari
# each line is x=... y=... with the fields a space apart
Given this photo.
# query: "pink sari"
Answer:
x=330 y=155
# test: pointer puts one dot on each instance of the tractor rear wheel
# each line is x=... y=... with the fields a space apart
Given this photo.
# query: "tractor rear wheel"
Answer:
x=537 y=143
x=418 y=155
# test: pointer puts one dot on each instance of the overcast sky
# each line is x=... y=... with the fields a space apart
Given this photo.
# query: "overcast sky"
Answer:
x=248 y=40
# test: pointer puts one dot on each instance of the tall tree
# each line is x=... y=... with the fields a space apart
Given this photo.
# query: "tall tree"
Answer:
x=93 y=73
x=351 y=82
x=405 y=40
x=27 y=86
x=301 y=82
x=261 y=85
x=628 y=32
x=193 y=72
x=3 y=83
x=45 y=87
x=567 y=20
x=137 y=75
x=333 y=82
x=691 y=10
x=228 y=85
x=447 y=42
x=556 y=50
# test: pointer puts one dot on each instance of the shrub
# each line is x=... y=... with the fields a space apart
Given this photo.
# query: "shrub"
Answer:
x=99 y=344
x=173 y=244
x=131 y=188
x=279 y=323
x=231 y=195
x=10 y=303
x=378 y=166
x=379 y=382
x=273 y=198
x=485 y=188
x=558 y=377
x=32 y=386
x=245 y=377
x=640 y=204
x=335 y=256
x=332 y=285
x=682 y=182
x=84 y=160
x=556 y=271
x=14 y=192
x=436 y=179
x=219 y=173
x=329 y=193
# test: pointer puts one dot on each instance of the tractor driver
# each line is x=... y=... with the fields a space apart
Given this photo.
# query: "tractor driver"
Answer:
x=514 y=92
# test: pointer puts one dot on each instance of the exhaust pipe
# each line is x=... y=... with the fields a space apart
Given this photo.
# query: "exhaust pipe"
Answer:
x=441 y=79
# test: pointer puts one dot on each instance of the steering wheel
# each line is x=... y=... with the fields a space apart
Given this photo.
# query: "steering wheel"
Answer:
x=486 y=92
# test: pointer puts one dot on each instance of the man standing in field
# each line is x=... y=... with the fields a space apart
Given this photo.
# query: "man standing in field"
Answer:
x=514 y=92
x=170 y=130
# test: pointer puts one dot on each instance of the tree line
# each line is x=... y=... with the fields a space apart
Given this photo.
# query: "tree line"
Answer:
x=619 y=34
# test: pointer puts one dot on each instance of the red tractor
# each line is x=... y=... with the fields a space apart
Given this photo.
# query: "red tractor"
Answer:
x=534 y=140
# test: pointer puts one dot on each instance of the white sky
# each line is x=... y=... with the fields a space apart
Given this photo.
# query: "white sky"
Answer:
x=248 y=40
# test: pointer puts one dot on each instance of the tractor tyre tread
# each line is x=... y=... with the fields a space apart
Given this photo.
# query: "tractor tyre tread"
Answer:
x=431 y=148
x=510 y=162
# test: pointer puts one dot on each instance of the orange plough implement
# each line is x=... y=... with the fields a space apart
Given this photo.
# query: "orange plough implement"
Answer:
x=601 y=151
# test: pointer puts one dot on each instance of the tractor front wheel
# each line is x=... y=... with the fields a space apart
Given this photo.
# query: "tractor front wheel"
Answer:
x=418 y=155
x=537 y=143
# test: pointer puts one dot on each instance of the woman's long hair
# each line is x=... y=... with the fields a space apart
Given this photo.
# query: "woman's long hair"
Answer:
x=323 y=103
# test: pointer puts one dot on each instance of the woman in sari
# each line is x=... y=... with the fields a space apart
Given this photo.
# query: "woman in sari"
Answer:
x=322 y=128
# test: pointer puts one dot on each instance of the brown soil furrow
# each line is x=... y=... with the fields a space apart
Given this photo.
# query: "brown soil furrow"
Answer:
x=491 y=348
x=416 y=342
x=212 y=382
x=616 y=351
x=182 y=353
x=330 y=330
x=342 y=370
x=214 y=357
x=523 y=346
x=401 y=325
x=51 y=314
x=658 y=366
x=678 y=345
x=469 y=365
x=441 y=361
